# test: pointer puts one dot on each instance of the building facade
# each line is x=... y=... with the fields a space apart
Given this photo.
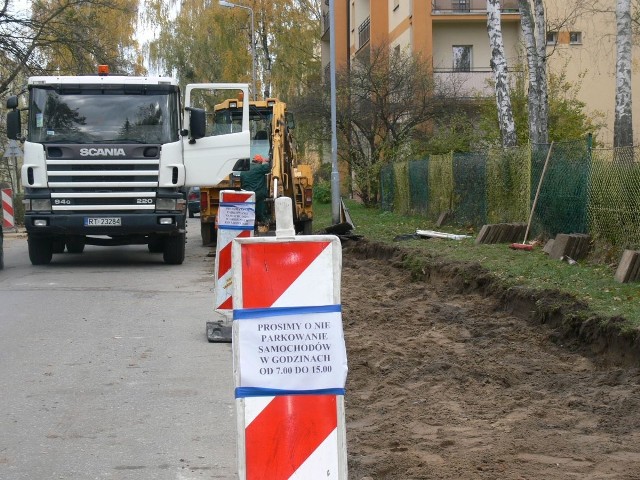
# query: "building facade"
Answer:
x=452 y=36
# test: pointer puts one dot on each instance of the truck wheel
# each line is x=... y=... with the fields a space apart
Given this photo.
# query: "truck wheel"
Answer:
x=173 y=253
x=191 y=214
x=208 y=234
x=40 y=250
x=75 y=245
x=57 y=245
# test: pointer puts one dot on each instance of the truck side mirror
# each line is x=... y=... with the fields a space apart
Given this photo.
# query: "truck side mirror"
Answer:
x=197 y=123
x=13 y=119
x=14 y=128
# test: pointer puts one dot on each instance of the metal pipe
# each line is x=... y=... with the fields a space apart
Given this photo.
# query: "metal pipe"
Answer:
x=335 y=174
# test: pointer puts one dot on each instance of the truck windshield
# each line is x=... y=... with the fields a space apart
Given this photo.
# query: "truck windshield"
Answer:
x=85 y=114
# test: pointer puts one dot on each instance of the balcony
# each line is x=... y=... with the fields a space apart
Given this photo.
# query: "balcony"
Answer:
x=470 y=7
x=364 y=32
x=469 y=84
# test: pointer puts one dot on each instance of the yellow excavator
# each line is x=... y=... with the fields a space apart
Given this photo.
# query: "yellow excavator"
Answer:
x=273 y=166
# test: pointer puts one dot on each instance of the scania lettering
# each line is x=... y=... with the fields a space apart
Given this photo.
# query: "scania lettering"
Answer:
x=108 y=159
x=94 y=152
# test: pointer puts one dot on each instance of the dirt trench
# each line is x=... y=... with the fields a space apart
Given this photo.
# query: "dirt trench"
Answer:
x=448 y=382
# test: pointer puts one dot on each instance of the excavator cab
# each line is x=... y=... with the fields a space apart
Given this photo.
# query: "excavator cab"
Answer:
x=270 y=127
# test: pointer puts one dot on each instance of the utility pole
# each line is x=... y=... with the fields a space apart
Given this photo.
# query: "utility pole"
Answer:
x=335 y=174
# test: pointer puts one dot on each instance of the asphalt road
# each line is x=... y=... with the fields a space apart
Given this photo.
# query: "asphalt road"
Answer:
x=105 y=368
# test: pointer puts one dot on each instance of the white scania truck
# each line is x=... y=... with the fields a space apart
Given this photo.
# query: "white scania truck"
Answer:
x=107 y=159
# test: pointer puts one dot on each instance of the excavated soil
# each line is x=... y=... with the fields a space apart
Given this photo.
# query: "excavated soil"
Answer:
x=452 y=378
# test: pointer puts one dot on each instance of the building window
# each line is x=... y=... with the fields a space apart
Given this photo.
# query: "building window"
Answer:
x=575 y=38
x=364 y=32
x=462 y=58
x=552 y=38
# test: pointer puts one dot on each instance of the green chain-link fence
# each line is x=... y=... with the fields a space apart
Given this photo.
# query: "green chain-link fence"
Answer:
x=613 y=209
x=508 y=185
x=470 y=188
x=583 y=190
x=563 y=199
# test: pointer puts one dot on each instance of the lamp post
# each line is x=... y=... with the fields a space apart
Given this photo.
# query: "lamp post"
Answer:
x=224 y=3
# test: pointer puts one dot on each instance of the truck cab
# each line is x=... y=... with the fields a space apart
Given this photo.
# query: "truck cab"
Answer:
x=108 y=160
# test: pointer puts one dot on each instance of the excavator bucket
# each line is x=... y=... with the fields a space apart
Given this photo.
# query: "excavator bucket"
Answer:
x=345 y=226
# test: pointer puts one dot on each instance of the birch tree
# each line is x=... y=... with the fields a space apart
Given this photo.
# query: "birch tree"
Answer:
x=623 y=126
x=534 y=34
x=501 y=76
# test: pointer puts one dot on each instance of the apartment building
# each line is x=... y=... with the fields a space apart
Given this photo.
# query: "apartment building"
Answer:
x=452 y=36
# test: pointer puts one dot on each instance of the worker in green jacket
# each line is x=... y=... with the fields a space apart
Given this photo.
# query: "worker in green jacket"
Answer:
x=255 y=180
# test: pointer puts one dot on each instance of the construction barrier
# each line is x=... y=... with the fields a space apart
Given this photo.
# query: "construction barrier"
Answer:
x=235 y=219
x=8 y=221
x=290 y=362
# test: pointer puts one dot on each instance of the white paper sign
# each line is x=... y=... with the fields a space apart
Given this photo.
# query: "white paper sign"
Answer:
x=236 y=215
x=297 y=351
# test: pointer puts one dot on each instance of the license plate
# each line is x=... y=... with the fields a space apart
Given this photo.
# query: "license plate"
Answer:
x=102 y=221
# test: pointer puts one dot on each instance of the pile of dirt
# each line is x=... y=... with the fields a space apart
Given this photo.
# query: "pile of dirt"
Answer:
x=453 y=377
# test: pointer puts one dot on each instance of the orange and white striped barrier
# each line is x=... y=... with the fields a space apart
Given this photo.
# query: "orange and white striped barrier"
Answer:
x=8 y=221
x=235 y=219
x=290 y=362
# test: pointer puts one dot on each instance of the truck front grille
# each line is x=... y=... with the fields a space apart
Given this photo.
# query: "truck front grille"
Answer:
x=126 y=183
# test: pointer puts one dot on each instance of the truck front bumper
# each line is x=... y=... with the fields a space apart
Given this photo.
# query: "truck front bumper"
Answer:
x=130 y=224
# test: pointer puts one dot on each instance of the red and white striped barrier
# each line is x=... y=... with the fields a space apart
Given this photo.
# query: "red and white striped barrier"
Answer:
x=8 y=221
x=290 y=360
x=236 y=218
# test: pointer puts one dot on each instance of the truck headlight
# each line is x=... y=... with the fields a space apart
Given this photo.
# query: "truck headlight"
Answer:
x=41 y=204
x=166 y=204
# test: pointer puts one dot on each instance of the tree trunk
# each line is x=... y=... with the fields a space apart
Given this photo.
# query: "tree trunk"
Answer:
x=534 y=34
x=528 y=34
x=543 y=96
x=623 y=126
x=500 y=72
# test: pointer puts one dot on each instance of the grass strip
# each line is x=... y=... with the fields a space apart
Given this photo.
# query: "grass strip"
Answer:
x=590 y=283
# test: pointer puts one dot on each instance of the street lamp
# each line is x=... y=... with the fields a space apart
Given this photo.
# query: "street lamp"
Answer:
x=224 y=3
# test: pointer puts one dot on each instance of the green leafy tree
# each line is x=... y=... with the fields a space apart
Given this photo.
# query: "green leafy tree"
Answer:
x=287 y=34
x=67 y=37
x=201 y=41
x=197 y=42
x=568 y=117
